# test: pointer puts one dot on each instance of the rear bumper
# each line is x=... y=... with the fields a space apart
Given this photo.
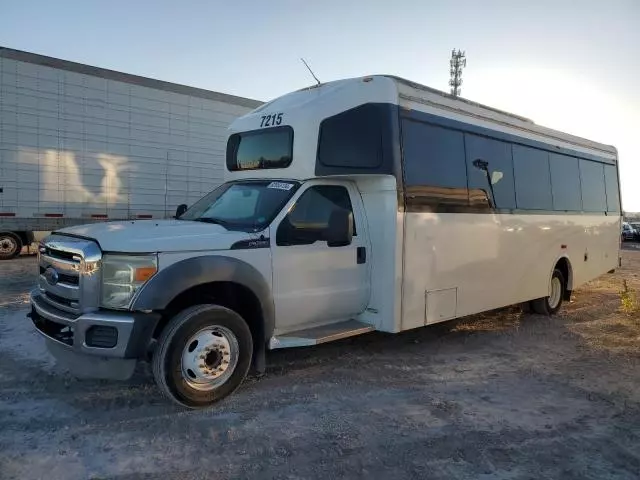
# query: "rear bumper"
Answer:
x=103 y=344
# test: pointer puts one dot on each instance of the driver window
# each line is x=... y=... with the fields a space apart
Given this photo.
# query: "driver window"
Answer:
x=308 y=219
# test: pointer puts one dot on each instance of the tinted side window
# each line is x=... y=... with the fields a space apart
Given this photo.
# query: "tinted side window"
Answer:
x=352 y=139
x=308 y=220
x=611 y=184
x=434 y=166
x=565 y=182
x=532 y=178
x=594 y=198
x=268 y=148
x=496 y=156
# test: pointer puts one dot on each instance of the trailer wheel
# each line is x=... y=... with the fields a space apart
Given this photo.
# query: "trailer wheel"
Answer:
x=203 y=355
x=551 y=304
x=10 y=245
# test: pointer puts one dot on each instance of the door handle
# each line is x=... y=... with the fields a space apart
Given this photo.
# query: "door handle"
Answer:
x=361 y=255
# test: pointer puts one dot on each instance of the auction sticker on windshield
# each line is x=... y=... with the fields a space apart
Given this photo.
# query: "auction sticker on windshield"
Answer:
x=280 y=185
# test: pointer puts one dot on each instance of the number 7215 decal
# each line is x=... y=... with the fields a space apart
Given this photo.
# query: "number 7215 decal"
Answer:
x=271 y=120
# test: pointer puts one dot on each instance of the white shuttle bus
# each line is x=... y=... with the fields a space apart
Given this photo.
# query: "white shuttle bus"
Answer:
x=357 y=205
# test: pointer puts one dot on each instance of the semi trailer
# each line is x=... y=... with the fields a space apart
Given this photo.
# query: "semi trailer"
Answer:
x=82 y=144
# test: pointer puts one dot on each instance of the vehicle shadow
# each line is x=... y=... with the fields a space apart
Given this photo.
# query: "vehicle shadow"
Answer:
x=418 y=341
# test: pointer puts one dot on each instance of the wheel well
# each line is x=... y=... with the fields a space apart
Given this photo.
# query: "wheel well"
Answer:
x=565 y=267
x=231 y=295
x=25 y=237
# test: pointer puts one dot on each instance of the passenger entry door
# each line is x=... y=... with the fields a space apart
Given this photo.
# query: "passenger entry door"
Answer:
x=315 y=283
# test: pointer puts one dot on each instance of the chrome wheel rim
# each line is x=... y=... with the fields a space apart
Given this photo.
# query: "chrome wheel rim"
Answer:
x=209 y=358
x=556 y=292
x=7 y=245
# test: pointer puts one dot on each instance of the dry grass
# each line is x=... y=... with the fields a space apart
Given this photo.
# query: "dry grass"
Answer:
x=607 y=316
x=494 y=321
x=628 y=299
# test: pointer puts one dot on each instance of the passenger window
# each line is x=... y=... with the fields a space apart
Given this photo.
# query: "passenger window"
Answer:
x=268 y=148
x=532 y=178
x=352 y=139
x=594 y=198
x=490 y=161
x=565 y=183
x=308 y=220
x=434 y=167
x=613 y=193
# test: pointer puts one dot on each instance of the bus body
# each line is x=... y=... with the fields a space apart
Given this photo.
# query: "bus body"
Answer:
x=363 y=204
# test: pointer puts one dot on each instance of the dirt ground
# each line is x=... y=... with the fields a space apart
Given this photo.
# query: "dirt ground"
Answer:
x=502 y=395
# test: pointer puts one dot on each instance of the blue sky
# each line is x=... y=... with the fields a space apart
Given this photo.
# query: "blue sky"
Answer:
x=571 y=65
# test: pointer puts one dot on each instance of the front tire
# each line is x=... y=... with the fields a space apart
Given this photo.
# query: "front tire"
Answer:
x=10 y=245
x=550 y=305
x=203 y=355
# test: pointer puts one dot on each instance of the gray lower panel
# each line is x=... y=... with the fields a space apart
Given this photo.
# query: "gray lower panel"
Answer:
x=93 y=367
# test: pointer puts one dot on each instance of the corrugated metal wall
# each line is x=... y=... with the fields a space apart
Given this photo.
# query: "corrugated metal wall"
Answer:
x=82 y=146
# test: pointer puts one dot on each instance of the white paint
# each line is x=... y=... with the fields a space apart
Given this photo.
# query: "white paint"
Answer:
x=498 y=260
x=259 y=258
x=379 y=200
x=159 y=236
x=305 y=110
x=317 y=284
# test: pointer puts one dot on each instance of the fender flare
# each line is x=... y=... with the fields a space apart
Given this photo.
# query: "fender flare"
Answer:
x=170 y=282
x=569 y=279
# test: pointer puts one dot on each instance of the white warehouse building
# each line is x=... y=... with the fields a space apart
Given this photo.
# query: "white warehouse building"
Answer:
x=80 y=143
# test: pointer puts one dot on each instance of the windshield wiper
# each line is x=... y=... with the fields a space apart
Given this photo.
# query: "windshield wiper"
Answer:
x=215 y=221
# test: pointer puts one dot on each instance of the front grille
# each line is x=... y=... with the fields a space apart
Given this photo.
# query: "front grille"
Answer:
x=64 y=278
x=69 y=277
x=60 y=300
x=62 y=254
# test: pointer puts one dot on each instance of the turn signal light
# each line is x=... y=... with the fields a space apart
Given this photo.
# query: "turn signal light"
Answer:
x=142 y=274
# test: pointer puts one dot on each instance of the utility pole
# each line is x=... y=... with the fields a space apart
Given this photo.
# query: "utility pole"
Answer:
x=458 y=62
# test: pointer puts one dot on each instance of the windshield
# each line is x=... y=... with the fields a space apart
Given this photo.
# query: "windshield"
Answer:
x=248 y=205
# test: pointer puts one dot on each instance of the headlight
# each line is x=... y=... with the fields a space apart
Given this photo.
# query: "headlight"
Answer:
x=122 y=275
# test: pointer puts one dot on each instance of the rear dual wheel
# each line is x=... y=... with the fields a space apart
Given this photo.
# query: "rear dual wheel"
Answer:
x=10 y=245
x=551 y=304
x=203 y=355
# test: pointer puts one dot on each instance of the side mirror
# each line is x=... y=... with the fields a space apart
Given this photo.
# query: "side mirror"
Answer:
x=340 y=230
x=181 y=209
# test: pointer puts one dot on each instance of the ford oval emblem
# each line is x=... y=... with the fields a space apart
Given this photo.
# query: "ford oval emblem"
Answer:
x=51 y=276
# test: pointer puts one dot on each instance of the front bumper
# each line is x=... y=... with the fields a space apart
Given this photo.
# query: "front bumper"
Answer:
x=101 y=344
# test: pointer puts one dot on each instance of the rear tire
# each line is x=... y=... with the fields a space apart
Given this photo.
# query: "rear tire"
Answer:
x=203 y=355
x=10 y=245
x=550 y=305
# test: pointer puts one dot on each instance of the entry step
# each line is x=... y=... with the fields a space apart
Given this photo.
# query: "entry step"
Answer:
x=323 y=334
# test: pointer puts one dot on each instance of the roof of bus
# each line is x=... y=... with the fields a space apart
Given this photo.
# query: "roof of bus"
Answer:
x=504 y=117
x=458 y=105
x=458 y=99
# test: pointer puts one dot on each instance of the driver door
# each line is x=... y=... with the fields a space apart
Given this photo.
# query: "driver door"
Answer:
x=314 y=283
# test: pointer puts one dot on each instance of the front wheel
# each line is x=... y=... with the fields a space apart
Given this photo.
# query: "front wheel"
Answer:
x=203 y=355
x=551 y=304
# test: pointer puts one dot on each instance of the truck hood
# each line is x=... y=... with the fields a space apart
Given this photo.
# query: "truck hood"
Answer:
x=143 y=236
